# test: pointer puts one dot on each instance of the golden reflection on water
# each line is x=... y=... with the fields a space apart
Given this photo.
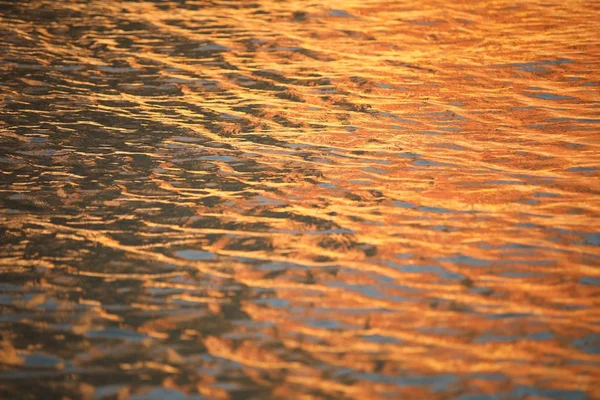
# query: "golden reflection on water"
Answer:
x=361 y=200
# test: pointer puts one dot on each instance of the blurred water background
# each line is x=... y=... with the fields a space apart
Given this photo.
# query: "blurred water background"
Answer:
x=358 y=199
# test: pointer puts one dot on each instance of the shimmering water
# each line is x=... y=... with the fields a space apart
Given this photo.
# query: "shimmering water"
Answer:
x=361 y=199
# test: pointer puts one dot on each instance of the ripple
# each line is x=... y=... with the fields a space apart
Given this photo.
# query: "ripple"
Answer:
x=377 y=199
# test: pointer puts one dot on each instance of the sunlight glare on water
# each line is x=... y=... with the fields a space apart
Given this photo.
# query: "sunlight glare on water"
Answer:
x=358 y=199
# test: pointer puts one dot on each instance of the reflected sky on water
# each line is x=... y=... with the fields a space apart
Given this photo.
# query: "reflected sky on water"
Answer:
x=273 y=200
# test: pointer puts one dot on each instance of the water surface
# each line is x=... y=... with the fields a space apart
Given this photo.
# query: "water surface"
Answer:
x=289 y=199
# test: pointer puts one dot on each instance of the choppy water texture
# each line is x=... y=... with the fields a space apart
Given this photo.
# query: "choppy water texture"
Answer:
x=283 y=199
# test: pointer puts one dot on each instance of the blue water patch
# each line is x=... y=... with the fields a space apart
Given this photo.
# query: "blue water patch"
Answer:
x=327 y=185
x=437 y=210
x=509 y=246
x=537 y=68
x=539 y=65
x=531 y=391
x=546 y=194
x=588 y=344
x=37 y=139
x=395 y=117
x=326 y=324
x=41 y=360
x=404 y=255
x=275 y=303
x=468 y=260
x=490 y=338
x=583 y=169
x=254 y=325
x=533 y=178
x=186 y=139
x=527 y=225
x=251 y=335
x=361 y=182
x=532 y=202
x=281 y=266
x=408 y=155
x=381 y=339
x=584 y=120
x=551 y=96
x=107 y=390
x=590 y=238
x=372 y=291
x=590 y=280
x=404 y=204
x=523 y=108
x=68 y=67
x=508 y=316
x=115 y=333
x=494 y=338
x=162 y=291
x=219 y=158
x=426 y=23
x=500 y=182
x=43 y=153
x=375 y=170
x=196 y=255
x=266 y=201
x=477 y=396
x=6 y=300
x=300 y=145
x=429 y=163
x=117 y=69
x=330 y=231
x=480 y=290
x=7 y=287
x=340 y=13
x=230 y=116
x=163 y=393
x=444 y=228
x=538 y=261
x=443 y=115
x=432 y=269
x=435 y=383
x=440 y=330
x=212 y=47
x=519 y=274
x=542 y=335
x=451 y=146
